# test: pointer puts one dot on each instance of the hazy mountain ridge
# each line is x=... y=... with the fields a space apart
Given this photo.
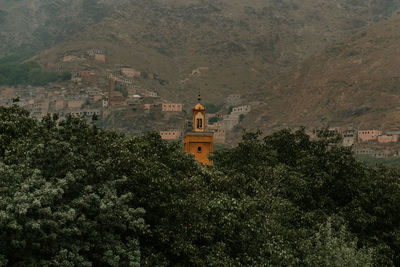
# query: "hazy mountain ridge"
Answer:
x=33 y=25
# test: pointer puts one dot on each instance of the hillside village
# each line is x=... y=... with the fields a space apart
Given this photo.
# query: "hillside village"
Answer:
x=116 y=99
x=368 y=142
x=110 y=106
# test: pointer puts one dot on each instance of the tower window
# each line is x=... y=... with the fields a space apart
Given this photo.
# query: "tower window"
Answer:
x=199 y=149
x=199 y=123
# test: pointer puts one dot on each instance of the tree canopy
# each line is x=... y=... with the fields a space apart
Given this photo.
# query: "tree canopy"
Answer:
x=75 y=194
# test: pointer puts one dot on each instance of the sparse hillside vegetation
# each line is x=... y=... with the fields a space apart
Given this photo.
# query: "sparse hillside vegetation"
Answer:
x=354 y=81
x=30 y=73
x=243 y=44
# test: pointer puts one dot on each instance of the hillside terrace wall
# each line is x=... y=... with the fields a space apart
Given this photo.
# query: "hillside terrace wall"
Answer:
x=365 y=151
x=69 y=58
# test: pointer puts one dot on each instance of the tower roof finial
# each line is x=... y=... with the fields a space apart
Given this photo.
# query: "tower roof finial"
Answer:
x=199 y=98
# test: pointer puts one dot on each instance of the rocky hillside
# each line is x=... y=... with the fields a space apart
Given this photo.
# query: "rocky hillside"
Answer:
x=239 y=45
x=355 y=81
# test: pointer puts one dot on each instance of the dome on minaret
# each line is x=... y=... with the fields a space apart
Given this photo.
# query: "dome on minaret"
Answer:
x=199 y=107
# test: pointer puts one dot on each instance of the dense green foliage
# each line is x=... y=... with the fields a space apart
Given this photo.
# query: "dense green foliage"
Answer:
x=372 y=161
x=73 y=194
x=16 y=58
x=122 y=90
x=212 y=108
x=30 y=73
x=213 y=120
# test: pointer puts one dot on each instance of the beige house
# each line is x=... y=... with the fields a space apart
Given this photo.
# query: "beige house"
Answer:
x=171 y=135
x=368 y=135
x=100 y=57
x=75 y=103
x=386 y=138
x=130 y=72
x=171 y=107
x=241 y=110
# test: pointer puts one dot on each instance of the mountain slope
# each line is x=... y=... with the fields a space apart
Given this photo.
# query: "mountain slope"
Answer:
x=356 y=81
x=241 y=44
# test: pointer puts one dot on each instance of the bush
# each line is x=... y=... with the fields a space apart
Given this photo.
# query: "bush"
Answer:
x=212 y=108
x=30 y=73
x=213 y=120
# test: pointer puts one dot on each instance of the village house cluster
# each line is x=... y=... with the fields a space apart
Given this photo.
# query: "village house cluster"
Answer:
x=40 y=101
x=123 y=93
x=104 y=95
x=371 y=142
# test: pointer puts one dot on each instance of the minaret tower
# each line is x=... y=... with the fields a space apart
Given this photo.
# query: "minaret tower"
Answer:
x=199 y=142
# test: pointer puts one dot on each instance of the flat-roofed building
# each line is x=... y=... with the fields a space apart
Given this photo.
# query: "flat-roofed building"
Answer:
x=171 y=107
x=388 y=138
x=368 y=135
x=171 y=135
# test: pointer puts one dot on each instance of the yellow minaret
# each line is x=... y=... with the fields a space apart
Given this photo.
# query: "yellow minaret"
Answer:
x=199 y=142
